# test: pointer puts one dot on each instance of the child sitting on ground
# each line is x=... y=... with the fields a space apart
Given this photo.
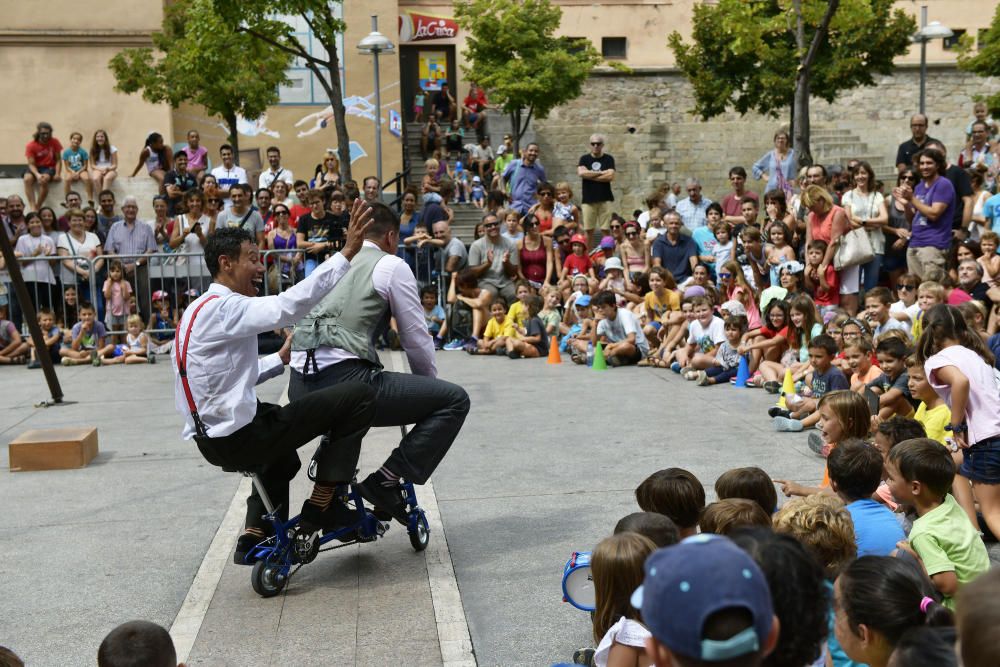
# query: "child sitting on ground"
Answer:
x=675 y=493
x=517 y=313
x=135 y=349
x=705 y=333
x=750 y=483
x=948 y=545
x=842 y=415
x=52 y=334
x=88 y=344
x=578 y=337
x=672 y=337
x=724 y=516
x=823 y=379
x=890 y=433
x=465 y=292
x=855 y=473
x=498 y=330
x=929 y=294
x=618 y=331
x=137 y=643
x=892 y=386
x=549 y=314
x=531 y=341
x=617 y=569
x=906 y=309
x=878 y=301
x=858 y=355
x=13 y=349
x=727 y=357
x=660 y=300
x=434 y=315
x=934 y=415
x=657 y=527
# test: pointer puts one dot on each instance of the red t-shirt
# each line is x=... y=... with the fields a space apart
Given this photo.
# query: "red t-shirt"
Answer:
x=45 y=155
x=831 y=295
x=575 y=264
x=296 y=211
x=476 y=102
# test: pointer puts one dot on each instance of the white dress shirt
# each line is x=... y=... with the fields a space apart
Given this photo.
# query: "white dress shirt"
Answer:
x=268 y=177
x=394 y=281
x=222 y=363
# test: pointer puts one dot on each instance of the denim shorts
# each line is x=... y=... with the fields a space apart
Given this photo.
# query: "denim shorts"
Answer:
x=981 y=462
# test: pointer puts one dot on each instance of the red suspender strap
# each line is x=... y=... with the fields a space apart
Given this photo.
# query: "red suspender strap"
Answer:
x=182 y=369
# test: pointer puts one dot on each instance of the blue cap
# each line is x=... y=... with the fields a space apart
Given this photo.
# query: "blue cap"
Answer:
x=688 y=582
x=582 y=300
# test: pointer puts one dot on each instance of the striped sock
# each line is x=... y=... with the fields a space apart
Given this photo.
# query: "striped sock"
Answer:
x=256 y=532
x=322 y=495
x=391 y=478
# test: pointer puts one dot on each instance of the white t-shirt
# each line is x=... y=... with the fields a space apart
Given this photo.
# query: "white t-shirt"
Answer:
x=619 y=328
x=626 y=632
x=267 y=177
x=227 y=178
x=102 y=159
x=911 y=312
x=38 y=271
x=653 y=232
x=707 y=338
x=865 y=207
x=891 y=324
x=90 y=247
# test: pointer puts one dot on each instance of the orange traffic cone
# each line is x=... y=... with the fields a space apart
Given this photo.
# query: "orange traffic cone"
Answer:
x=554 y=356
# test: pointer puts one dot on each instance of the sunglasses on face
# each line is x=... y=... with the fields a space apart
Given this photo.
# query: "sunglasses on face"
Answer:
x=908 y=179
x=281 y=212
x=725 y=276
x=562 y=241
x=531 y=225
x=544 y=194
x=491 y=225
x=905 y=288
x=631 y=234
x=616 y=226
x=596 y=143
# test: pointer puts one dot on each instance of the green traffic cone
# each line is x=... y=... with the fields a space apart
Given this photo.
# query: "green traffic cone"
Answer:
x=600 y=364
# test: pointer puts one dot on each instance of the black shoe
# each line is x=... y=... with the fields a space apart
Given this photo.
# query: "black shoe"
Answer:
x=385 y=498
x=778 y=412
x=513 y=354
x=335 y=516
x=772 y=387
x=244 y=545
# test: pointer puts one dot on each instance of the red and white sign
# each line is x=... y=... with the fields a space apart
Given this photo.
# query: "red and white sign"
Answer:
x=414 y=27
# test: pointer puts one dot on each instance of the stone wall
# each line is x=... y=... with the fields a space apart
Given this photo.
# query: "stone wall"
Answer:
x=671 y=144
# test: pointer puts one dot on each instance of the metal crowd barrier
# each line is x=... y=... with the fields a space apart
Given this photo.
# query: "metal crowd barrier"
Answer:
x=183 y=276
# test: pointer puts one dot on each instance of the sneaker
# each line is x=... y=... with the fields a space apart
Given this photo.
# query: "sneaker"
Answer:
x=513 y=354
x=386 y=498
x=244 y=545
x=690 y=374
x=470 y=345
x=675 y=367
x=818 y=447
x=34 y=363
x=438 y=343
x=584 y=656
x=703 y=380
x=687 y=369
x=786 y=425
x=778 y=412
x=95 y=360
x=772 y=387
x=151 y=358
x=756 y=380
x=615 y=361
x=454 y=345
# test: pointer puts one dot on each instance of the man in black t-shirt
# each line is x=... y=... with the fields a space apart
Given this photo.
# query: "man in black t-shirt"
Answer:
x=963 y=192
x=916 y=143
x=317 y=231
x=177 y=182
x=597 y=169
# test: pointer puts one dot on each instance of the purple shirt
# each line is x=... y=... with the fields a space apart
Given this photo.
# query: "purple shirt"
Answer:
x=937 y=233
x=90 y=342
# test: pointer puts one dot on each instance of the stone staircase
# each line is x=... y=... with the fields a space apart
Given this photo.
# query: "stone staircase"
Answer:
x=831 y=146
x=467 y=216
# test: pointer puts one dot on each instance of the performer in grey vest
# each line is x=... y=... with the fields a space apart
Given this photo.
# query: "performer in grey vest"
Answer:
x=335 y=344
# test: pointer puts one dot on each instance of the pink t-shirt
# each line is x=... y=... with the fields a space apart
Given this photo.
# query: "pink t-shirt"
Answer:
x=118 y=301
x=196 y=158
x=982 y=412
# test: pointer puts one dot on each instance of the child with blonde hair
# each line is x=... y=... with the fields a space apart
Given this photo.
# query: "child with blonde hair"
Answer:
x=929 y=294
x=135 y=349
x=564 y=211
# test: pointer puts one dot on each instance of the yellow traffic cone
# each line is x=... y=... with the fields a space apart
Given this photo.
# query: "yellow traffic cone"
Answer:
x=787 y=388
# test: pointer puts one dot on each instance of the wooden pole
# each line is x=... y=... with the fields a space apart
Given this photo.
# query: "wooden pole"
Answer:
x=28 y=309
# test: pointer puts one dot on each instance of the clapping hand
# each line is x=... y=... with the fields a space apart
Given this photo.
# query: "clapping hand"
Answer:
x=360 y=223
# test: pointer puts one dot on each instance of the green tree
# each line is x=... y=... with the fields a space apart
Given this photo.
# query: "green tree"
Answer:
x=769 y=55
x=261 y=20
x=197 y=57
x=985 y=61
x=516 y=57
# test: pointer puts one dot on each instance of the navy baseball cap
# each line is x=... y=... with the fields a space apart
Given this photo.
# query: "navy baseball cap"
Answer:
x=688 y=582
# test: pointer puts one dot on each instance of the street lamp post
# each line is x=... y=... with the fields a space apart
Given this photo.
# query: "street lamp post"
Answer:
x=927 y=32
x=374 y=44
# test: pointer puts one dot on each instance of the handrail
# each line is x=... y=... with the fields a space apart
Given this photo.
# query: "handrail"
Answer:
x=397 y=203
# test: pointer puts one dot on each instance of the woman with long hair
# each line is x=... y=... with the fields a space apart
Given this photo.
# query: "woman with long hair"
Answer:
x=865 y=208
x=828 y=222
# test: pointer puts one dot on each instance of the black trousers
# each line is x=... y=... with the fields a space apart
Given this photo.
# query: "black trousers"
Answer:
x=435 y=407
x=270 y=441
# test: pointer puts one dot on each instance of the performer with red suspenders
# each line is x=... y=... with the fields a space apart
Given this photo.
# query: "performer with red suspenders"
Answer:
x=217 y=366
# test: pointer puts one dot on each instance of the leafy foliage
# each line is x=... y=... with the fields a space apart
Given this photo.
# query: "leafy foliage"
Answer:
x=197 y=57
x=985 y=62
x=514 y=54
x=744 y=54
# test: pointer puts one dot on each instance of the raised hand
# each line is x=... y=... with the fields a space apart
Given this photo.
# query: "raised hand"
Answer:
x=357 y=228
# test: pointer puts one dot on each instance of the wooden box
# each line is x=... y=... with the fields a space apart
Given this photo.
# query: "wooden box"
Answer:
x=53 y=449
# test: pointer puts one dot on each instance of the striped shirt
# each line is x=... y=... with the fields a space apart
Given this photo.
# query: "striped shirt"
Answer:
x=134 y=239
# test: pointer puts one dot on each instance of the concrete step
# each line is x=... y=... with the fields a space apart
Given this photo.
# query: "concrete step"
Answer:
x=816 y=135
x=839 y=147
